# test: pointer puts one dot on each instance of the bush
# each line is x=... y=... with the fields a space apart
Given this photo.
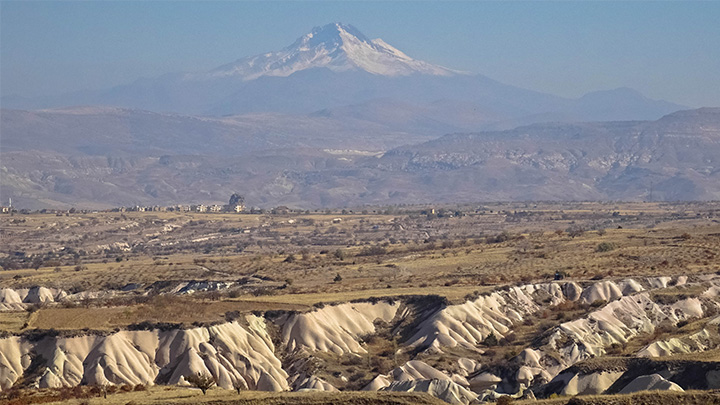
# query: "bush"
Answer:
x=340 y=254
x=372 y=251
x=504 y=400
x=575 y=231
x=201 y=380
x=240 y=385
x=598 y=303
x=605 y=247
x=491 y=340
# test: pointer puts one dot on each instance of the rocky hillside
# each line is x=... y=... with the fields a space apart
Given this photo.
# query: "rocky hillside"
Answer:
x=459 y=353
x=109 y=158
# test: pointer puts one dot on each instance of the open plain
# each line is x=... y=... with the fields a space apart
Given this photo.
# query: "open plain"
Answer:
x=463 y=303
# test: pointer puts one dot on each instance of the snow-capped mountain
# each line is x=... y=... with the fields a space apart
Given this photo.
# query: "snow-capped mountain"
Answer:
x=336 y=70
x=337 y=47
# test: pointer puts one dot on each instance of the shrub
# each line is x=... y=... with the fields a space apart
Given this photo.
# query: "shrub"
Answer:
x=504 y=400
x=598 y=303
x=201 y=380
x=575 y=231
x=240 y=385
x=372 y=251
x=491 y=340
x=340 y=254
x=605 y=247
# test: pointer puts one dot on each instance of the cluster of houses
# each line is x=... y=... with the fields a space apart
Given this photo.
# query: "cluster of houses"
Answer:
x=237 y=208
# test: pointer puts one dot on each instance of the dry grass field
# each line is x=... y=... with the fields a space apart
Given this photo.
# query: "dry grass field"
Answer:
x=178 y=395
x=125 y=270
x=639 y=398
x=294 y=261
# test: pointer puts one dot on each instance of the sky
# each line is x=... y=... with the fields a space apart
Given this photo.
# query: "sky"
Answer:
x=666 y=50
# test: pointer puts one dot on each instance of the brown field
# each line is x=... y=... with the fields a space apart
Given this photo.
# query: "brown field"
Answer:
x=177 y=395
x=638 y=398
x=294 y=260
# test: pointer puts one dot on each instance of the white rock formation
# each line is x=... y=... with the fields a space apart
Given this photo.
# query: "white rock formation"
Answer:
x=312 y=383
x=587 y=384
x=484 y=381
x=229 y=352
x=445 y=390
x=19 y=299
x=336 y=328
x=470 y=323
x=696 y=342
x=601 y=291
x=650 y=382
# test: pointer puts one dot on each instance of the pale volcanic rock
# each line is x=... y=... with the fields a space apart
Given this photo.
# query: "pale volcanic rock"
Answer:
x=470 y=323
x=313 y=383
x=229 y=352
x=650 y=382
x=335 y=328
x=14 y=359
x=377 y=383
x=468 y=366
x=588 y=384
x=484 y=381
x=445 y=390
x=630 y=286
x=601 y=291
x=659 y=282
x=417 y=370
x=19 y=299
x=697 y=342
x=572 y=291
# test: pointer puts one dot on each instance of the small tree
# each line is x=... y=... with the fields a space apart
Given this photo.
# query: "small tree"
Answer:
x=201 y=380
x=575 y=231
x=338 y=278
x=240 y=385
x=491 y=340
x=504 y=400
x=605 y=247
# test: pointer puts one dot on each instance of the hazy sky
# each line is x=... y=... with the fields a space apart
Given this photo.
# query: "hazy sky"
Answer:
x=667 y=50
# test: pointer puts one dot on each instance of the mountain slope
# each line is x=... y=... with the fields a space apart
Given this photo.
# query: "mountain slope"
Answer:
x=674 y=158
x=337 y=47
x=335 y=66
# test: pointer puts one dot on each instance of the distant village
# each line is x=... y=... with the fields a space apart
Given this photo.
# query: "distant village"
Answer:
x=236 y=205
x=237 y=208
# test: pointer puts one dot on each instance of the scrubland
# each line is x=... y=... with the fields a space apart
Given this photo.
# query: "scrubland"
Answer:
x=430 y=265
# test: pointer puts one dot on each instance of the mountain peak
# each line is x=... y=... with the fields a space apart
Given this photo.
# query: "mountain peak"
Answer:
x=336 y=46
x=333 y=33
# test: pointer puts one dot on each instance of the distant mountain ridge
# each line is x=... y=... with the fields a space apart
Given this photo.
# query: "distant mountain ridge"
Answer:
x=677 y=157
x=336 y=66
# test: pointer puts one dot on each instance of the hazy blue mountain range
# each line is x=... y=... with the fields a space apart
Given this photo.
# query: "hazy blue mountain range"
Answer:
x=128 y=157
x=339 y=119
x=336 y=66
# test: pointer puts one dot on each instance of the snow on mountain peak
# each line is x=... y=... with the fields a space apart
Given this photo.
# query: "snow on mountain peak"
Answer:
x=336 y=46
